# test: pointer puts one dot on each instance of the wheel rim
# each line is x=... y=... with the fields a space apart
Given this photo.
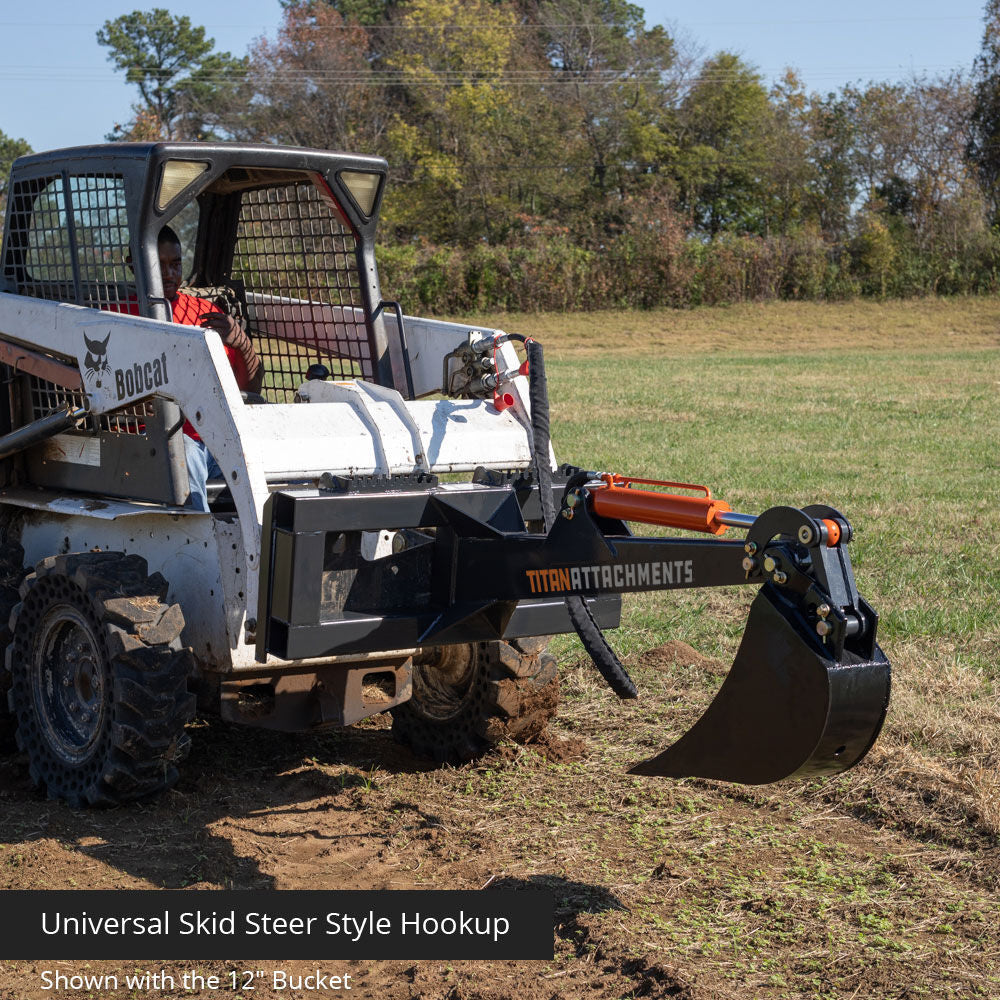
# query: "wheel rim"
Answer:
x=68 y=683
x=443 y=683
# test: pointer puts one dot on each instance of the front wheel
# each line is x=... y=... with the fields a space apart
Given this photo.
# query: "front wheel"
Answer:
x=98 y=679
x=468 y=697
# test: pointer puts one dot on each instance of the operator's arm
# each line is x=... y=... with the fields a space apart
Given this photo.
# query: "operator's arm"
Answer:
x=234 y=336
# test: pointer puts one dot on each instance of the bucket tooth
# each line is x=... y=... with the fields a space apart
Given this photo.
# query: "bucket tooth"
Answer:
x=787 y=707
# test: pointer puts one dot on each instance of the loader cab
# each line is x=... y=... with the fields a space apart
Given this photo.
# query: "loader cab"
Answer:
x=282 y=238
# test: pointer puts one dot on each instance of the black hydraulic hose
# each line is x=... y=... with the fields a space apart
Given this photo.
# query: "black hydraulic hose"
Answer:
x=583 y=621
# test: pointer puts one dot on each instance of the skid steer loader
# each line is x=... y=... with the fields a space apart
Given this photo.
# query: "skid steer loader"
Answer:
x=391 y=531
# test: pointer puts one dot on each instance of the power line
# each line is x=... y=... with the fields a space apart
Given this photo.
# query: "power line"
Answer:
x=524 y=26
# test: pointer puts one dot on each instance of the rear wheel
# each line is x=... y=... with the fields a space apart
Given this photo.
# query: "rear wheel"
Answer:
x=468 y=697
x=98 y=679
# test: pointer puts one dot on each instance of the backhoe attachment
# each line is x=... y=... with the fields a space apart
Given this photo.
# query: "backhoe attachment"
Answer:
x=808 y=690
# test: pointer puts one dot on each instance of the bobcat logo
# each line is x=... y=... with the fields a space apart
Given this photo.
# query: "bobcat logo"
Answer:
x=96 y=361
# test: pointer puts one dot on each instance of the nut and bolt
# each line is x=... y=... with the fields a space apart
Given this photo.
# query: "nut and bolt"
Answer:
x=823 y=611
x=750 y=548
x=805 y=534
x=780 y=577
x=823 y=628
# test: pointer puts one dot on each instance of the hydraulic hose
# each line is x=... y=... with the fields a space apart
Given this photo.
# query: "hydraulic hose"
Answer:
x=583 y=621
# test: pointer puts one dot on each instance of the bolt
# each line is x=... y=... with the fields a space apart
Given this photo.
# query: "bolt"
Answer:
x=750 y=548
x=823 y=610
x=749 y=564
x=823 y=628
x=805 y=534
x=770 y=564
x=567 y=513
x=780 y=577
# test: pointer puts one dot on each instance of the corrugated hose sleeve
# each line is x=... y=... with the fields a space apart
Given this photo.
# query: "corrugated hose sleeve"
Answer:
x=586 y=627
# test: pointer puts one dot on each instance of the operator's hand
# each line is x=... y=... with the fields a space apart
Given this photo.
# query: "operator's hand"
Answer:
x=227 y=327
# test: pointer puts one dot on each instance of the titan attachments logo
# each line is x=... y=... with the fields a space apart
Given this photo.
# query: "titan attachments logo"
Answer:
x=95 y=364
x=611 y=576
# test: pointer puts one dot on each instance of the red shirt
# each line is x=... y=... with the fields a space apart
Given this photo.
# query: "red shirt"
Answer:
x=188 y=310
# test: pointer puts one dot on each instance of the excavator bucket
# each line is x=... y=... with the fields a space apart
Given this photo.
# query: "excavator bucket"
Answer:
x=790 y=706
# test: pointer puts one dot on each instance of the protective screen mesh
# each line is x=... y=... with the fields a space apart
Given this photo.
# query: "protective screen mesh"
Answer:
x=299 y=264
x=72 y=239
x=46 y=397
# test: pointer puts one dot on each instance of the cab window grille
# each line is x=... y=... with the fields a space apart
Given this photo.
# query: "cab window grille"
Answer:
x=299 y=264
x=72 y=237
x=47 y=397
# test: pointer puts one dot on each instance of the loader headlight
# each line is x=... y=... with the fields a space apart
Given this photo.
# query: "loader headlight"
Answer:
x=363 y=188
x=175 y=177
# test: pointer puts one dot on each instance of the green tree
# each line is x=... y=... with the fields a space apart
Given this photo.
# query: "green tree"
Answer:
x=787 y=172
x=369 y=13
x=726 y=124
x=179 y=76
x=10 y=150
x=450 y=62
x=831 y=188
x=613 y=78
x=983 y=147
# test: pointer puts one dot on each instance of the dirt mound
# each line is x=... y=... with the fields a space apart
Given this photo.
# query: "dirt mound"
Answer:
x=679 y=654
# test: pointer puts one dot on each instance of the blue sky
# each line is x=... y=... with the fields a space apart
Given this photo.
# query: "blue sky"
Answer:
x=58 y=88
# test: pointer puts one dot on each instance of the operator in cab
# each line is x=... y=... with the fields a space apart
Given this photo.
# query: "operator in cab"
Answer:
x=193 y=311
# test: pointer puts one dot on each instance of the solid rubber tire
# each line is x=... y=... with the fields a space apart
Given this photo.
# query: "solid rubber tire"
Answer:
x=137 y=679
x=511 y=691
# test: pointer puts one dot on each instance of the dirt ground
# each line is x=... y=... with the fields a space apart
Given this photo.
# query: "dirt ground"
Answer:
x=881 y=883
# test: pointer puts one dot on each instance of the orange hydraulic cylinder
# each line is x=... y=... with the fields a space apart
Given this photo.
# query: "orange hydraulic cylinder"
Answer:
x=617 y=499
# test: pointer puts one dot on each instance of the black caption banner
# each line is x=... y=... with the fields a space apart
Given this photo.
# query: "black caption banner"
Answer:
x=285 y=925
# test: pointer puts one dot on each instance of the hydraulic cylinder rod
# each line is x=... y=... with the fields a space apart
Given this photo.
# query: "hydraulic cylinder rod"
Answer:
x=617 y=497
x=40 y=430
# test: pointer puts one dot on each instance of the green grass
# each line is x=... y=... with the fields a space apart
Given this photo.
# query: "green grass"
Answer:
x=903 y=442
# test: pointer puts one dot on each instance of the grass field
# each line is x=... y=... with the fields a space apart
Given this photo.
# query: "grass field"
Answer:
x=883 y=882
x=889 y=413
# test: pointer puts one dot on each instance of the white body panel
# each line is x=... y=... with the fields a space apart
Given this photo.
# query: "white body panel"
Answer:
x=344 y=428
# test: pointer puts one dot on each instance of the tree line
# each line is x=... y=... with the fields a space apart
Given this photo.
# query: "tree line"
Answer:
x=563 y=154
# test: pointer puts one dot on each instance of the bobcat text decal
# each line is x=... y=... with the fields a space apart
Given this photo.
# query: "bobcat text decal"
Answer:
x=141 y=377
x=619 y=576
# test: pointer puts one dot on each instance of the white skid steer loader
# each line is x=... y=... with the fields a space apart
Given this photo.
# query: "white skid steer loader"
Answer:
x=335 y=575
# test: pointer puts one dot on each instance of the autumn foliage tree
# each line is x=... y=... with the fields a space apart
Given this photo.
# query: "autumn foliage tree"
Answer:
x=313 y=85
x=565 y=152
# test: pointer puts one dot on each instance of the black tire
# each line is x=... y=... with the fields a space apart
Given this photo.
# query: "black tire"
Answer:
x=467 y=698
x=98 y=679
x=12 y=572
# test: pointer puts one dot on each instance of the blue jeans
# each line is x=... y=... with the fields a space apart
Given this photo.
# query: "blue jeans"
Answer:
x=201 y=467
